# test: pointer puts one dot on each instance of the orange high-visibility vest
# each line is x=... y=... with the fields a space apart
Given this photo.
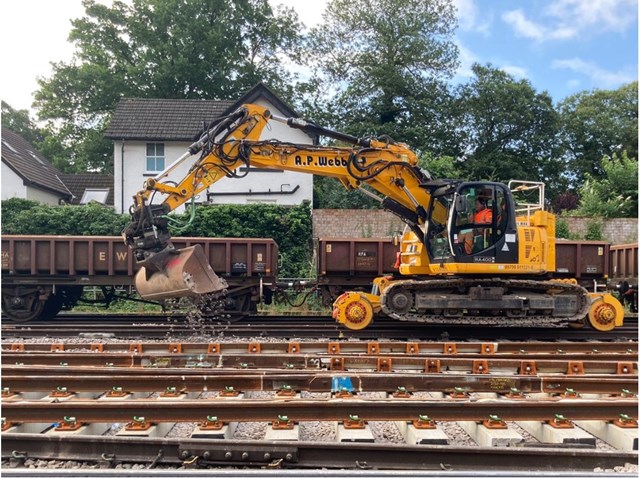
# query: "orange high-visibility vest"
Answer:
x=483 y=217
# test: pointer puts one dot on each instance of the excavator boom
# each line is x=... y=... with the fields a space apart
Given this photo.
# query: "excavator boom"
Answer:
x=232 y=142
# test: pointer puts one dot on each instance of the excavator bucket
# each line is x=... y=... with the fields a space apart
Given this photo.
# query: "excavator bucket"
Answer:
x=181 y=273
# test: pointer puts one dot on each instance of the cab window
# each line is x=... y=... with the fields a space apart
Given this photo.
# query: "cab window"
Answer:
x=475 y=219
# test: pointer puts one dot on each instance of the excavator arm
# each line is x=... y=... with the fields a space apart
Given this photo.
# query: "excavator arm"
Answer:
x=234 y=141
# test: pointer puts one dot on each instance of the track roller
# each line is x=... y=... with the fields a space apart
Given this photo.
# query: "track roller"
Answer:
x=606 y=312
x=354 y=310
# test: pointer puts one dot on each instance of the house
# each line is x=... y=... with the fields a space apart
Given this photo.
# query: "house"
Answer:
x=150 y=134
x=90 y=187
x=27 y=174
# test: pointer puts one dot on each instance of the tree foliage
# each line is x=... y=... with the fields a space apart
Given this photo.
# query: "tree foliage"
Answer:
x=509 y=129
x=615 y=194
x=383 y=61
x=596 y=125
x=209 y=49
x=330 y=194
x=21 y=123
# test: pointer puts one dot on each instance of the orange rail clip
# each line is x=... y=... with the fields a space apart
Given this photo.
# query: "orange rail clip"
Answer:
x=337 y=363
x=480 y=366
x=488 y=349
x=624 y=368
x=450 y=348
x=575 y=368
x=413 y=348
x=528 y=367
x=385 y=364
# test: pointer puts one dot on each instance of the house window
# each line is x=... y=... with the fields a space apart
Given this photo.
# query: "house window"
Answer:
x=98 y=195
x=155 y=157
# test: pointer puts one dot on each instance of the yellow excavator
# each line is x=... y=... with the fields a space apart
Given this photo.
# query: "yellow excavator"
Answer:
x=469 y=254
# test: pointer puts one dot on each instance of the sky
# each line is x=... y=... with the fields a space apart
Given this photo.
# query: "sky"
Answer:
x=561 y=46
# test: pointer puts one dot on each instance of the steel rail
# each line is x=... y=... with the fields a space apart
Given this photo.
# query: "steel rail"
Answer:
x=335 y=347
x=351 y=458
x=249 y=410
x=16 y=379
x=313 y=326
x=570 y=364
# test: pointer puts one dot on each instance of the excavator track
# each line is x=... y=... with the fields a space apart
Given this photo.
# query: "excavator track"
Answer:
x=486 y=302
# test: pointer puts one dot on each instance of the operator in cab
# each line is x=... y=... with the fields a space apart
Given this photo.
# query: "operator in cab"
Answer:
x=483 y=214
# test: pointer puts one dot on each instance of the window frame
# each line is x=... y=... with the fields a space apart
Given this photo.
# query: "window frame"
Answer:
x=154 y=157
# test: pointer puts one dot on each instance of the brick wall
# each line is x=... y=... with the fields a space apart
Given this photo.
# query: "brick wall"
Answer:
x=355 y=223
x=615 y=231
x=377 y=223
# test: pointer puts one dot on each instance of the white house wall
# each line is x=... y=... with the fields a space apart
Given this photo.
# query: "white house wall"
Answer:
x=41 y=196
x=12 y=184
x=256 y=181
x=13 y=187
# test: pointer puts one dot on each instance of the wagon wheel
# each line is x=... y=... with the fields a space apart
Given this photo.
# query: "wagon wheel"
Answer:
x=22 y=308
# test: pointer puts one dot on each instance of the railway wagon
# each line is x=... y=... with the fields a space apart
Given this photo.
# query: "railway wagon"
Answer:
x=624 y=264
x=348 y=264
x=42 y=275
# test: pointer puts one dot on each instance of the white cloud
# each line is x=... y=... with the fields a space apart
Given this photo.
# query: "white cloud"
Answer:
x=522 y=26
x=468 y=58
x=569 y=18
x=309 y=12
x=517 y=72
x=598 y=76
x=601 y=14
x=470 y=18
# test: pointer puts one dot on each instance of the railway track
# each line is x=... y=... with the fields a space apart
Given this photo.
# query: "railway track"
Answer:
x=168 y=402
x=314 y=326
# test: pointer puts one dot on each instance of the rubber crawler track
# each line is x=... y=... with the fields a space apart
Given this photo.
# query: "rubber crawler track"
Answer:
x=522 y=286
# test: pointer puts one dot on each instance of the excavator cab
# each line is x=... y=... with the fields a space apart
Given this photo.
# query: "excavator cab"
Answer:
x=480 y=224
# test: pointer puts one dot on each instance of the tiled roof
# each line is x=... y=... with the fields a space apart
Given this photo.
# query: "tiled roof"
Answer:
x=78 y=183
x=160 y=119
x=178 y=120
x=34 y=169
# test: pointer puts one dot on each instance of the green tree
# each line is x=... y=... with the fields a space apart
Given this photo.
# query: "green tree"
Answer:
x=330 y=194
x=441 y=167
x=596 y=125
x=385 y=61
x=21 y=123
x=615 y=194
x=510 y=129
x=209 y=49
